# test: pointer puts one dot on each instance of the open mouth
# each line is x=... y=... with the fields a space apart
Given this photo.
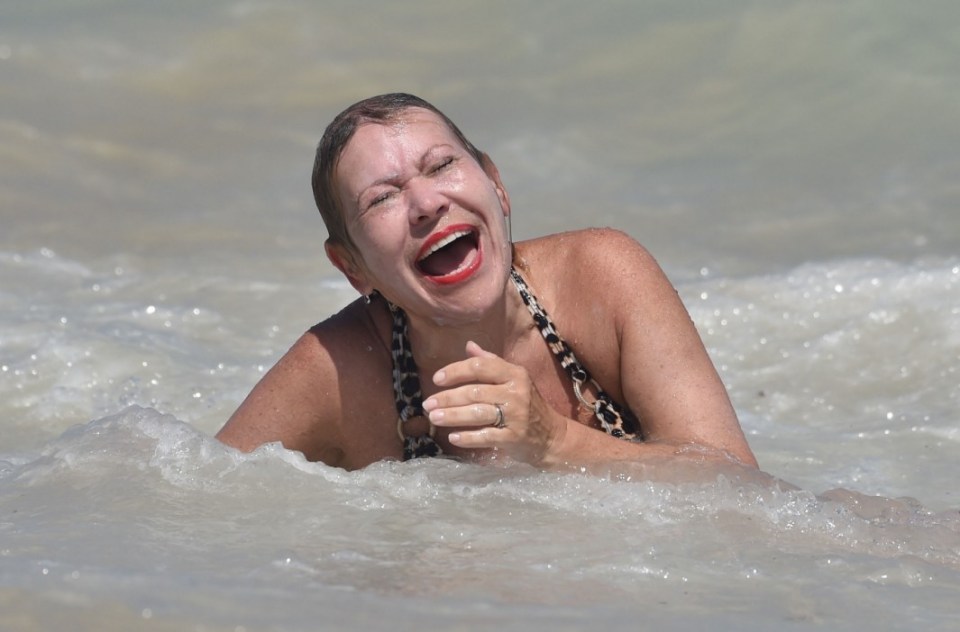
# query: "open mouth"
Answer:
x=451 y=255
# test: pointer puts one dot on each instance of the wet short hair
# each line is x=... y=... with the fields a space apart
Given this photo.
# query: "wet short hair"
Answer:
x=381 y=109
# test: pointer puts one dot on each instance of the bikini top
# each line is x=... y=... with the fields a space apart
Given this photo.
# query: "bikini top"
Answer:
x=615 y=419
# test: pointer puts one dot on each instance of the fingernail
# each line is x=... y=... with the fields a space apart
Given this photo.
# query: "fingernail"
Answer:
x=429 y=404
x=454 y=437
x=435 y=415
x=439 y=377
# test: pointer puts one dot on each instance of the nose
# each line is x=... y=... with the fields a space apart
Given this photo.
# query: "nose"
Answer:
x=425 y=200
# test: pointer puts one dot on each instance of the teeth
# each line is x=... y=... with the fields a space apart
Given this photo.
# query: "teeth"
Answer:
x=449 y=239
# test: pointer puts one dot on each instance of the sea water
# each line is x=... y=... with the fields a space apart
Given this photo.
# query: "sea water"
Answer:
x=793 y=166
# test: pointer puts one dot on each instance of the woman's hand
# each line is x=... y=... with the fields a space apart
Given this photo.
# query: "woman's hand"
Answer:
x=491 y=403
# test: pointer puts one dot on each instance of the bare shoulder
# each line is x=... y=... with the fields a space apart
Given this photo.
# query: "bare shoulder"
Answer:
x=606 y=248
x=602 y=263
x=597 y=284
x=300 y=402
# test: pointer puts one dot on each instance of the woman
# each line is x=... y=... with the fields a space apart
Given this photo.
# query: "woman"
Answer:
x=567 y=350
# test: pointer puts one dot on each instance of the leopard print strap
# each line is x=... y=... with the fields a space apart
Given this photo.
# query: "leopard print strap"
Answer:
x=406 y=391
x=615 y=420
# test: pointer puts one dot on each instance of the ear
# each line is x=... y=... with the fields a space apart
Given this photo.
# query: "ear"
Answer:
x=494 y=174
x=345 y=261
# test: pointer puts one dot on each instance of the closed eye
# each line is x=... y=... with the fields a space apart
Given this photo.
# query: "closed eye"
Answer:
x=443 y=164
x=379 y=199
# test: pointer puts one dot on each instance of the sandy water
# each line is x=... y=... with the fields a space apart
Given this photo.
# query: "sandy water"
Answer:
x=792 y=165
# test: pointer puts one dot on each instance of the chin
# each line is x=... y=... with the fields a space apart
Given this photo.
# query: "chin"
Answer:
x=472 y=301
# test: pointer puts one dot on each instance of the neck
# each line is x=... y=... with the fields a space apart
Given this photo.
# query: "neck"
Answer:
x=500 y=327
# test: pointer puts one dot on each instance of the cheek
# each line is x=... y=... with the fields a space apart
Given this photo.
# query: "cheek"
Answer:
x=381 y=250
x=454 y=182
x=375 y=234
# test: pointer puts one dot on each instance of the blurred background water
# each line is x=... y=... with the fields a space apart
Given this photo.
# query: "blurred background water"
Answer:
x=792 y=164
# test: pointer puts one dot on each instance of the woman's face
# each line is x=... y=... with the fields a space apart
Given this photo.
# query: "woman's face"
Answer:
x=427 y=219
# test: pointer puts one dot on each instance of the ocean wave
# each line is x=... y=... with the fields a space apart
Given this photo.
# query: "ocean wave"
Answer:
x=139 y=454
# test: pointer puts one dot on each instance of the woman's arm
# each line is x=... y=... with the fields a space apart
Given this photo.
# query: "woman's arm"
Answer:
x=295 y=403
x=667 y=376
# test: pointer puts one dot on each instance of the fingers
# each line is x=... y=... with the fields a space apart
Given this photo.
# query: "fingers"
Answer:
x=465 y=396
x=480 y=366
x=466 y=406
x=489 y=403
x=482 y=438
x=477 y=390
x=475 y=387
x=487 y=424
x=476 y=351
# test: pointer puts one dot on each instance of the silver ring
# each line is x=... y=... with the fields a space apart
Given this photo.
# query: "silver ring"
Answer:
x=499 y=423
